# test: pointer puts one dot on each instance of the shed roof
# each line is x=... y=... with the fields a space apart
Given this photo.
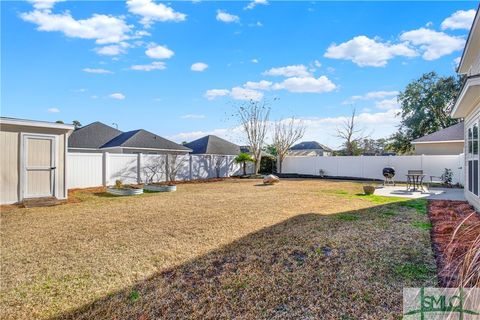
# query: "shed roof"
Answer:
x=213 y=145
x=452 y=133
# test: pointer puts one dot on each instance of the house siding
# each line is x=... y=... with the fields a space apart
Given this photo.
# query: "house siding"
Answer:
x=473 y=117
x=450 y=148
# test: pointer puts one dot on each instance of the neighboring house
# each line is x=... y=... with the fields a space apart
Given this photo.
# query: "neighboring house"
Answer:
x=92 y=137
x=445 y=141
x=32 y=159
x=98 y=137
x=309 y=149
x=467 y=107
x=213 y=145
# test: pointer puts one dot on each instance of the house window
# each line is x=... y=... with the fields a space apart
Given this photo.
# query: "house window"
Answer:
x=473 y=159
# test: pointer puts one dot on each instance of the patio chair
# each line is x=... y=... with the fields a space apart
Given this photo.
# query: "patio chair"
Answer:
x=411 y=182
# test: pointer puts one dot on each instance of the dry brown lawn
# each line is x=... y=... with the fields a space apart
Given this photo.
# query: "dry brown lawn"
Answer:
x=231 y=249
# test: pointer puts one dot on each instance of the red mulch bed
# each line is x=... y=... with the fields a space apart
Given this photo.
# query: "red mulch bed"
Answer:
x=446 y=217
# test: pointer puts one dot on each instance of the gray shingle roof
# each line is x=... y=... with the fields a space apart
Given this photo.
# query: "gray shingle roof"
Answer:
x=310 y=145
x=246 y=149
x=93 y=136
x=143 y=139
x=213 y=145
x=455 y=132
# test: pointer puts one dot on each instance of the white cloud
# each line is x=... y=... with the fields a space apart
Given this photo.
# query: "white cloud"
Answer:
x=112 y=50
x=156 y=65
x=214 y=93
x=193 y=116
x=388 y=104
x=306 y=85
x=239 y=93
x=372 y=96
x=260 y=85
x=288 y=71
x=117 y=96
x=317 y=63
x=254 y=3
x=44 y=4
x=227 y=17
x=199 y=66
x=457 y=60
x=101 y=28
x=53 y=110
x=364 y=51
x=159 y=52
x=151 y=11
x=434 y=44
x=97 y=70
x=254 y=60
x=461 y=19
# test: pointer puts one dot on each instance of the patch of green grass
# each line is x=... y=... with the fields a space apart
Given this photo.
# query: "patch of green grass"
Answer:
x=388 y=213
x=422 y=225
x=347 y=217
x=413 y=271
x=339 y=192
x=134 y=296
x=379 y=199
x=418 y=204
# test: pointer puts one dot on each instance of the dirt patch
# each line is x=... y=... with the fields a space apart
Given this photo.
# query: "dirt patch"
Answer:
x=455 y=228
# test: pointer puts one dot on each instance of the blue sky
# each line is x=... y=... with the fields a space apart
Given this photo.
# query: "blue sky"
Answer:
x=178 y=69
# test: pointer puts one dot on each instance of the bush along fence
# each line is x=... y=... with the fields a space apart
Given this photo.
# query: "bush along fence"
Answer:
x=370 y=167
x=103 y=169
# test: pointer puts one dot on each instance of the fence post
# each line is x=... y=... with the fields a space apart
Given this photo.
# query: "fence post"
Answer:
x=167 y=171
x=190 y=167
x=105 y=169
x=139 y=168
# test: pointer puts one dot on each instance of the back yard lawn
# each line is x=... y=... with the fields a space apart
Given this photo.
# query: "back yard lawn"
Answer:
x=310 y=248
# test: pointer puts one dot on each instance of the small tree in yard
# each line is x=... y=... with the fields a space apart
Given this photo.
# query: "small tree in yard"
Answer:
x=351 y=135
x=153 y=168
x=253 y=117
x=286 y=133
x=242 y=159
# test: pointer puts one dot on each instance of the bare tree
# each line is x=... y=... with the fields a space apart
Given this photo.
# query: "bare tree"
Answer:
x=351 y=134
x=175 y=162
x=286 y=133
x=154 y=168
x=253 y=117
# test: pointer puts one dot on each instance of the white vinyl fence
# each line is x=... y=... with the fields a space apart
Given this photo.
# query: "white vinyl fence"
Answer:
x=96 y=169
x=370 y=167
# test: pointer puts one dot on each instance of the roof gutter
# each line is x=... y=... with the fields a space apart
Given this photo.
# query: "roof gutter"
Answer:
x=429 y=142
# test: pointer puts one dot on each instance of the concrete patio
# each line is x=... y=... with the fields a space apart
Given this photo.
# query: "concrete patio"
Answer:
x=431 y=194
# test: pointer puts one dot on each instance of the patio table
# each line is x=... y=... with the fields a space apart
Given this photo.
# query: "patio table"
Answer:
x=416 y=179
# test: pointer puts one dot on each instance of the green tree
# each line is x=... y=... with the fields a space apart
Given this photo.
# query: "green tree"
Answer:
x=242 y=159
x=426 y=104
x=59 y=121
x=76 y=124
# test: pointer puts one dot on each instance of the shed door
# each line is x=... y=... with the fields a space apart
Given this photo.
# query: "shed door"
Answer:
x=39 y=163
